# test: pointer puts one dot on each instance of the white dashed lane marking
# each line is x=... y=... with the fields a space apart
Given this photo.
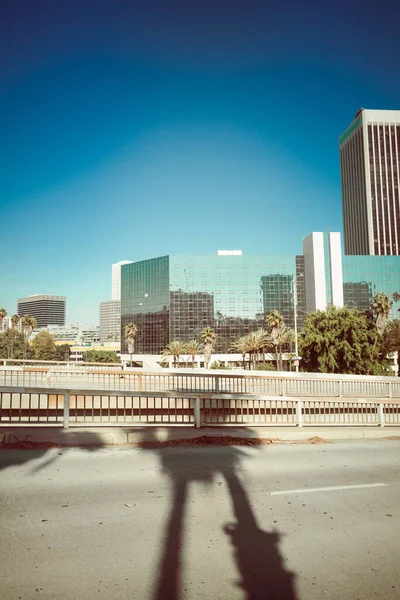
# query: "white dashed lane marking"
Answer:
x=328 y=489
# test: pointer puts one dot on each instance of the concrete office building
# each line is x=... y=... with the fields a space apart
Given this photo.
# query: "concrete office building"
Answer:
x=174 y=297
x=116 y=279
x=47 y=310
x=370 y=175
x=110 y=320
x=110 y=310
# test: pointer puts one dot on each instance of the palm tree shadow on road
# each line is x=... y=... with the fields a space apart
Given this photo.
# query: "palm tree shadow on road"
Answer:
x=259 y=563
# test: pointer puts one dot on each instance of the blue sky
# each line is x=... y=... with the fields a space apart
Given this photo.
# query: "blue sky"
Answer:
x=135 y=129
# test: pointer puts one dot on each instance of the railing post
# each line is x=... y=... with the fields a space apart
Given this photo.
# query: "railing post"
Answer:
x=197 y=412
x=390 y=390
x=217 y=384
x=48 y=378
x=66 y=410
x=381 y=414
x=283 y=387
x=340 y=389
x=299 y=410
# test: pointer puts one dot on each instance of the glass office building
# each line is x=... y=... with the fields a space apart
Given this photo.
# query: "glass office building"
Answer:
x=175 y=297
x=365 y=276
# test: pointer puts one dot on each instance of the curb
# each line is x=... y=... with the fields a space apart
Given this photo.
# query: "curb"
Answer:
x=110 y=436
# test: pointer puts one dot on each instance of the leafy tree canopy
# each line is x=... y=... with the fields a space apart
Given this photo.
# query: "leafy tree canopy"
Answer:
x=62 y=352
x=341 y=340
x=12 y=345
x=43 y=346
x=391 y=338
x=104 y=356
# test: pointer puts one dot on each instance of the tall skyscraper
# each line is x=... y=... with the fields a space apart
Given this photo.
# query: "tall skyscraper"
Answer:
x=370 y=174
x=47 y=310
x=116 y=279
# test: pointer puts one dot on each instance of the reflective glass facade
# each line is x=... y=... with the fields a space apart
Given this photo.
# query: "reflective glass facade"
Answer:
x=175 y=297
x=364 y=276
x=145 y=301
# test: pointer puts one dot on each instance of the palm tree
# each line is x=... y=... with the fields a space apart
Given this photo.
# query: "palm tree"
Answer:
x=130 y=331
x=29 y=323
x=264 y=342
x=174 y=349
x=241 y=345
x=291 y=340
x=286 y=337
x=193 y=347
x=3 y=314
x=208 y=337
x=274 y=321
x=381 y=306
x=258 y=341
x=14 y=325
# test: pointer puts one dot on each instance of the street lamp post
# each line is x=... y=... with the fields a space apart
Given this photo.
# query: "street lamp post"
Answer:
x=296 y=358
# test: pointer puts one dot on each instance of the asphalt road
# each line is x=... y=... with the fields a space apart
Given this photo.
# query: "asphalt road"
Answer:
x=202 y=523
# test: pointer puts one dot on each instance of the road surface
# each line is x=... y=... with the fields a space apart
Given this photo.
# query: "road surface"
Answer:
x=287 y=522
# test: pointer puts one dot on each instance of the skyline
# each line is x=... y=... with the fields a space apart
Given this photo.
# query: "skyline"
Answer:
x=138 y=132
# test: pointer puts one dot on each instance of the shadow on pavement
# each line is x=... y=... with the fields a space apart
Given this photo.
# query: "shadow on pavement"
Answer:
x=20 y=450
x=262 y=574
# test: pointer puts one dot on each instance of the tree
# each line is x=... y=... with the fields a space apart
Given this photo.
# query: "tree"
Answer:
x=174 y=350
x=113 y=337
x=29 y=323
x=257 y=342
x=242 y=346
x=381 y=306
x=3 y=314
x=12 y=344
x=43 y=346
x=130 y=331
x=193 y=347
x=208 y=337
x=101 y=356
x=391 y=340
x=62 y=352
x=14 y=325
x=281 y=335
x=274 y=321
x=340 y=340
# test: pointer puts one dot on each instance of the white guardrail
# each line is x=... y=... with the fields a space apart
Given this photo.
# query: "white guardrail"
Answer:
x=315 y=385
x=84 y=407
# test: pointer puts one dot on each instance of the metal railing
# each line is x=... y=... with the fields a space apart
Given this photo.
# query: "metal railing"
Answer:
x=61 y=364
x=65 y=407
x=295 y=385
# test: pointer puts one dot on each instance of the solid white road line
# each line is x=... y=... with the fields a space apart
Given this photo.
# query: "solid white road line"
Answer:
x=328 y=489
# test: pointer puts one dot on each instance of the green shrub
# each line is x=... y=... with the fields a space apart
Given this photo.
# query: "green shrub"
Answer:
x=266 y=366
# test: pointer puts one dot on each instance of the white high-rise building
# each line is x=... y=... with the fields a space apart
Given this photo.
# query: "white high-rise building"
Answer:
x=110 y=321
x=323 y=270
x=116 y=279
x=370 y=173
